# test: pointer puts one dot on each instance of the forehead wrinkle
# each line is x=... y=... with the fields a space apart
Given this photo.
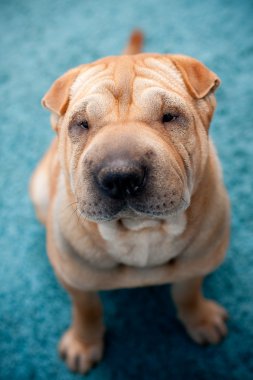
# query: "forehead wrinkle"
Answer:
x=143 y=85
x=79 y=107
x=98 y=95
x=166 y=80
x=158 y=78
x=153 y=100
x=87 y=78
x=97 y=85
x=85 y=75
x=96 y=103
x=105 y=87
x=167 y=69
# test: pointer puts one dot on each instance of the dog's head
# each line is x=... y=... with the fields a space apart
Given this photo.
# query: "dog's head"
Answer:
x=133 y=133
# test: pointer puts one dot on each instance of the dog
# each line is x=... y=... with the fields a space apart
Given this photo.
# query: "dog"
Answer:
x=131 y=190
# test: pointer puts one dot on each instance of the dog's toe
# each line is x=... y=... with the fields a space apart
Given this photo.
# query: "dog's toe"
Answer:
x=78 y=355
x=206 y=324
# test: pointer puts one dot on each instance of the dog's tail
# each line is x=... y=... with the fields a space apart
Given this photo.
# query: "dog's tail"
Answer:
x=135 y=43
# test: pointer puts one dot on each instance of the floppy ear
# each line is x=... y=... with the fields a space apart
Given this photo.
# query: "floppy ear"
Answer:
x=199 y=80
x=57 y=97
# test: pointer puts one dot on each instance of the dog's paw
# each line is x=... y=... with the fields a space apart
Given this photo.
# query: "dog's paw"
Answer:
x=79 y=356
x=206 y=324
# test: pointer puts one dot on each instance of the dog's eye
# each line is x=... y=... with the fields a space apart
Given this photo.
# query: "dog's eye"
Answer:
x=84 y=124
x=168 y=117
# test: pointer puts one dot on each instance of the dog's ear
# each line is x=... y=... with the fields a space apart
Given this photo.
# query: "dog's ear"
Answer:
x=199 y=80
x=57 y=97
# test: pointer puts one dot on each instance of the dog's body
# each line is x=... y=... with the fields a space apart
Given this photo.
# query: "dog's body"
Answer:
x=129 y=200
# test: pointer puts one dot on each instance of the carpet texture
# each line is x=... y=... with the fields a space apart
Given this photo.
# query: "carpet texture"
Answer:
x=39 y=40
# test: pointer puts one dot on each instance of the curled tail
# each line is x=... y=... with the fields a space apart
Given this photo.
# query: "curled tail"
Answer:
x=135 y=43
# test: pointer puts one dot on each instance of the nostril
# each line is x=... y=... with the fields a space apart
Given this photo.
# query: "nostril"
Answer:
x=111 y=183
x=108 y=182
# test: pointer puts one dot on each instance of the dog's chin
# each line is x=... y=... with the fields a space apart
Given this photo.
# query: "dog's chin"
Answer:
x=133 y=212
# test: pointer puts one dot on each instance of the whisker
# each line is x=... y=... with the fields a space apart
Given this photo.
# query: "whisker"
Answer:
x=79 y=215
x=74 y=212
x=69 y=205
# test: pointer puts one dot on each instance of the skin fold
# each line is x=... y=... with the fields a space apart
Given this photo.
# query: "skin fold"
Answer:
x=131 y=191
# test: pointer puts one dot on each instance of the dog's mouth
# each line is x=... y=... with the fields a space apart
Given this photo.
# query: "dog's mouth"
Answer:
x=134 y=210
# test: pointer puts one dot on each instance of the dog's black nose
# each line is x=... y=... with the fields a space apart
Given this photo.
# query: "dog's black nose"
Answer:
x=121 y=179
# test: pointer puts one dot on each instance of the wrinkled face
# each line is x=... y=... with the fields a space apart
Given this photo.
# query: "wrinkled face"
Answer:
x=133 y=140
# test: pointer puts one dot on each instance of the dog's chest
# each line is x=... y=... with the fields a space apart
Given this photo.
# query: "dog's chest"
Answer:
x=143 y=243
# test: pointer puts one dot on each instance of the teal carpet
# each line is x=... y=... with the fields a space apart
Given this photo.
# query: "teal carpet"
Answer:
x=39 y=40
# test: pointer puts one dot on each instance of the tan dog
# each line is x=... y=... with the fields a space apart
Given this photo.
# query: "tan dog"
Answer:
x=131 y=190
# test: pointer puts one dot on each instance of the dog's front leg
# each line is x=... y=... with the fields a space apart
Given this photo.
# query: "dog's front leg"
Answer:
x=203 y=319
x=82 y=344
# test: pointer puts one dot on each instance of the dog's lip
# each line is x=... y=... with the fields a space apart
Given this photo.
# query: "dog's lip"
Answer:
x=139 y=208
x=156 y=213
x=136 y=212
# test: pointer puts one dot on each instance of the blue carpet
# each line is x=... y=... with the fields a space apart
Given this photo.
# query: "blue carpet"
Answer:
x=39 y=41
